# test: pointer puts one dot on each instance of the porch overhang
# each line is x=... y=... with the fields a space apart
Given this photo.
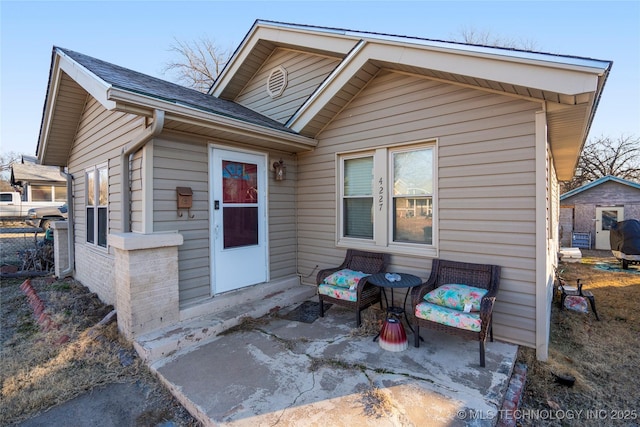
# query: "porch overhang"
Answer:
x=569 y=93
x=568 y=88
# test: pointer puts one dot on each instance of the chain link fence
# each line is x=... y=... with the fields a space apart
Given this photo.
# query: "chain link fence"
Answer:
x=23 y=248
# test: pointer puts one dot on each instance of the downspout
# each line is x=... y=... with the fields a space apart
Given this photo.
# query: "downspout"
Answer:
x=125 y=157
x=70 y=234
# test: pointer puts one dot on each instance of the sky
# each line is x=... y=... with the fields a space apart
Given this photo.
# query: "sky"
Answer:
x=139 y=34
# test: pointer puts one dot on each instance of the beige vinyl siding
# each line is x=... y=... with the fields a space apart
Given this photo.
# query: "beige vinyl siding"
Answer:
x=486 y=182
x=136 y=182
x=282 y=223
x=305 y=72
x=183 y=161
x=184 y=164
x=100 y=136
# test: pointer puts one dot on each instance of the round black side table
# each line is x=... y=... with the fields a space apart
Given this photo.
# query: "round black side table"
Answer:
x=406 y=281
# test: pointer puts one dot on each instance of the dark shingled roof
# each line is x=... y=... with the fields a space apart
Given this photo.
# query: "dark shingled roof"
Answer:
x=133 y=81
x=31 y=172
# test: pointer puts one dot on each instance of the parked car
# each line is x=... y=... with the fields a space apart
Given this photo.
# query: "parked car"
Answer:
x=624 y=237
x=42 y=217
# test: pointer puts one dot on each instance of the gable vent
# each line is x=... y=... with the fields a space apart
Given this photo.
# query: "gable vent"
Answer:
x=277 y=82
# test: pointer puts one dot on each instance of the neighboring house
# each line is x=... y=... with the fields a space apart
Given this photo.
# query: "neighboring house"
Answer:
x=423 y=149
x=38 y=183
x=587 y=212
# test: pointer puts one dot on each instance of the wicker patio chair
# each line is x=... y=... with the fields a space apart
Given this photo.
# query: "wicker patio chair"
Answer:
x=366 y=293
x=444 y=272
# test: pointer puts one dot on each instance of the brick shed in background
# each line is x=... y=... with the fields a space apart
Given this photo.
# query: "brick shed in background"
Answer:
x=587 y=212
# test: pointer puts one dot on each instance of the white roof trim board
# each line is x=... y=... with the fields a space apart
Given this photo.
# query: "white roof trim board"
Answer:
x=567 y=87
x=266 y=30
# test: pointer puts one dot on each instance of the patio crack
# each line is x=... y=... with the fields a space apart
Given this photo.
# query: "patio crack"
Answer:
x=290 y=343
x=318 y=362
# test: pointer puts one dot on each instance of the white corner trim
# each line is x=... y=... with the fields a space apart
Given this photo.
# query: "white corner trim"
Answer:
x=542 y=316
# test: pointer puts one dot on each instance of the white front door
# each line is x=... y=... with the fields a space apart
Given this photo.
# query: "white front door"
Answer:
x=238 y=218
x=605 y=218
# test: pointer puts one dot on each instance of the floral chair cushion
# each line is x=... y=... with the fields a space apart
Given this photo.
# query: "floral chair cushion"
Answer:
x=448 y=316
x=345 y=278
x=338 y=292
x=457 y=296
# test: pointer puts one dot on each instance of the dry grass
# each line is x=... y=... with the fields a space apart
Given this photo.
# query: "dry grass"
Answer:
x=43 y=368
x=37 y=373
x=602 y=355
x=376 y=402
x=372 y=320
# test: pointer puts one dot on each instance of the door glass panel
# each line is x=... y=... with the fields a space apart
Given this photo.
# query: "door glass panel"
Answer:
x=609 y=218
x=239 y=182
x=240 y=226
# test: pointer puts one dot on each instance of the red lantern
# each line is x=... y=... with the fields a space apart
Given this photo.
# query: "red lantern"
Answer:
x=392 y=335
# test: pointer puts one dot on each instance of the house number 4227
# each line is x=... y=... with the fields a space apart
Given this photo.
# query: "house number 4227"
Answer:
x=380 y=194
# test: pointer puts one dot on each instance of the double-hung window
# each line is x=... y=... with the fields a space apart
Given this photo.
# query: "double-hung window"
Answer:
x=387 y=199
x=97 y=183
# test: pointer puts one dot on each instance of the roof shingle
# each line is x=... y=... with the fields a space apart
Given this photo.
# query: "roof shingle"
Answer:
x=133 y=81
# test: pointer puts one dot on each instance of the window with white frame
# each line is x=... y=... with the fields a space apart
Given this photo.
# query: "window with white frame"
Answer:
x=96 y=204
x=48 y=193
x=387 y=198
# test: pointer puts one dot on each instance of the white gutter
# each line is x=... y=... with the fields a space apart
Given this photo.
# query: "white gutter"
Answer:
x=187 y=114
x=125 y=157
x=70 y=234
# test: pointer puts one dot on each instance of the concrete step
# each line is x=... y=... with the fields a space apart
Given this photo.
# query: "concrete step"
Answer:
x=159 y=347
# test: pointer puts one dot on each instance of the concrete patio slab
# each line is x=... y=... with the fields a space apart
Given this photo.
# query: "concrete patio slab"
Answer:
x=278 y=371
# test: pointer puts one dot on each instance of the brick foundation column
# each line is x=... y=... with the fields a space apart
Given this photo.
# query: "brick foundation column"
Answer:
x=60 y=246
x=146 y=281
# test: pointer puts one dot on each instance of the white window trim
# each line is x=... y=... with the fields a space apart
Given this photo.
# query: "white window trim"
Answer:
x=382 y=233
x=96 y=169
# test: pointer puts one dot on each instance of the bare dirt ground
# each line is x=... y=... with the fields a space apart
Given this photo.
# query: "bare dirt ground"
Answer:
x=602 y=355
x=46 y=363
